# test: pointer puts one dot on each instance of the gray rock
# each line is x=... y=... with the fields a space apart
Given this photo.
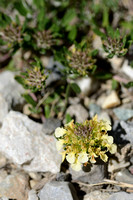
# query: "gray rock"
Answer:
x=124 y=176
x=24 y=141
x=61 y=176
x=3 y=198
x=131 y=160
x=15 y=186
x=50 y=125
x=123 y=113
x=96 y=195
x=32 y=195
x=3 y=108
x=78 y=111
x=58 y=191
x=94 y=109
x=121 y=196
x=89 y=174
x=128 y=127
x=10 y=88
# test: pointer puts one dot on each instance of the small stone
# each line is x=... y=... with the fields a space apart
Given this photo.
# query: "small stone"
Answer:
x=124 y=176
x=94 y=109
x=121 y=196
x=111 y=101
x=32 y=195
x=87 y=85
x=58 y=191
x=10 y=89
x=127 y=69
x=104 y=116
x=35 y=176
x=33 y=183
x=3 y=198
x=3 y=175
x=15 y=186
x=97 y=195
x=123 y=113
x=50 y=125
x=3 y=160
x=61 y=176
x=116 y=62
x=3 y=108
x=128 y=128
x=89 y=174
x=74 y=110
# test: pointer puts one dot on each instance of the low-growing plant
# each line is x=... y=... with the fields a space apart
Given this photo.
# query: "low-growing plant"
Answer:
x=82 y=143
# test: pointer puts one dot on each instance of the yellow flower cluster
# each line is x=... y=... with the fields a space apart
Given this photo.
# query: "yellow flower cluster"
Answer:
x=82 y=143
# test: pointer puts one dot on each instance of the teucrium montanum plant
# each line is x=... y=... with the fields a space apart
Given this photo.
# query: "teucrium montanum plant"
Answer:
x=81 y=143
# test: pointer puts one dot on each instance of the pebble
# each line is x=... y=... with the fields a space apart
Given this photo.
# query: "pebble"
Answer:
x=10 y=89
x=124 y=176
x=3 y=160
x=111 y=101
x=123 y=113
x=33 y=183
x=127 y=69
x=121 y=196
x=128 y=128
x=15 y=186
x=32 y=195
x=58 y=191
x=97 y=195
x=90 y=174
x=35 y=176
x=74 y=110
x=116 y=62
x=87 y=85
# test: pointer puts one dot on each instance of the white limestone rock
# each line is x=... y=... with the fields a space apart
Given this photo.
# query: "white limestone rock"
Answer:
x=24 y=141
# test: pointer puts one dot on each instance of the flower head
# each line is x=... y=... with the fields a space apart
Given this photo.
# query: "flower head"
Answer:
x=83 y=142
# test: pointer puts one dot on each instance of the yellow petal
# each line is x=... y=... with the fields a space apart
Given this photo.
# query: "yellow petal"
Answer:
x=108 y=125
x=94 y=118
x=70 y=124
x=104 y=157
x=83 y=157
x=113 y=148
x=59 y=144
x=59 y=132
x=76 y=166
x=71 y=157
x=110 y=139
x=63 y=155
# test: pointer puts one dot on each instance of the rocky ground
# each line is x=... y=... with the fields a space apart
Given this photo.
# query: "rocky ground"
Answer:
x=30 y=166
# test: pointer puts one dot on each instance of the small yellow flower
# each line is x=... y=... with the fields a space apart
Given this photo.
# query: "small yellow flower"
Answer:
x=76 y=166
x=83 y=157
x=59 y=132
x=59 y=144
x=71 y=157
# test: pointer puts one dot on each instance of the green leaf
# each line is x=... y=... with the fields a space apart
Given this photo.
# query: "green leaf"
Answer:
x=20 y=80
x=68 y=118
x=129 y=84
x=20 y=8
x=4 y=20
x=114 y=84
x=73 y=33
x=47 y=111
x=68 y=17
x=29 y=100
x=75 y=88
